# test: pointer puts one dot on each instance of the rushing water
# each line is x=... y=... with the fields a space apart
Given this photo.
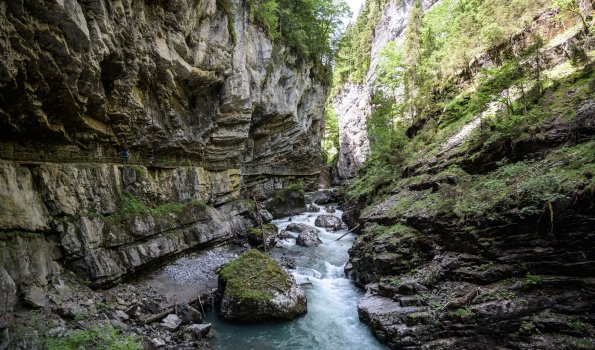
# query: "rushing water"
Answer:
x=331 y=322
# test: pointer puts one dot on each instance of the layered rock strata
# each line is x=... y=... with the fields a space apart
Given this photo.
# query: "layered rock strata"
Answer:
x=517 y=280
x=206 y=107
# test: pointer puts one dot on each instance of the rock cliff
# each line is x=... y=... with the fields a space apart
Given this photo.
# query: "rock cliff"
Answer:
x=482 y=234
x=207 y=107
x=353 y=103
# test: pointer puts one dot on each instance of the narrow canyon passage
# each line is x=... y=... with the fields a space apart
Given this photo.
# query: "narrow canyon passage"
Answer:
x=331 y=322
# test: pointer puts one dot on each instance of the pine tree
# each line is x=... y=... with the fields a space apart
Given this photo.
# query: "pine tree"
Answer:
x=413 y=57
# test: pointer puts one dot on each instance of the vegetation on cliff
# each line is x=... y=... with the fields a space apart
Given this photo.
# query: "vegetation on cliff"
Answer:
x=310 y=27
x=479 y=191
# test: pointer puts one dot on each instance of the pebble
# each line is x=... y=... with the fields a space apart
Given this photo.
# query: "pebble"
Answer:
x=158 y=342
x=122 y=315
x=171 y=322
x=200 y=266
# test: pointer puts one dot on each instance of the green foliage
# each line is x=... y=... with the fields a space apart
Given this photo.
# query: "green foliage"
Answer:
x=354 y=46
x=463 y=312
x=297 y=187
x=461 y=30
x=577 y=326
x=330 y=142
x=531 y=281
x=176 y=207
x=436 y=306
x=307 y=26
x=266 y=227
x=585 y=343
x=97 y=337
x=252 y=277
x=572 y=7
x=395 y=281
x=387 y=137
x=228 y=9
x=132 y=206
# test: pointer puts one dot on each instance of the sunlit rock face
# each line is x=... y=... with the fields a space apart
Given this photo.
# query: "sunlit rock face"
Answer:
x=353 y=103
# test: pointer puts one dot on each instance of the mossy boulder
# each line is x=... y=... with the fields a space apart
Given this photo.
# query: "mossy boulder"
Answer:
x=287 y=201
x=270 y=232
x=256 y=289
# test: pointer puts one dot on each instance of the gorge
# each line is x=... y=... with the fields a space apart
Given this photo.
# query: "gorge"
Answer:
x=144 y=144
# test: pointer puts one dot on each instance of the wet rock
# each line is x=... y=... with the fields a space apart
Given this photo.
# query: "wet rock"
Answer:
x=255 y=235
x=308 y=236
x=255 y=289
x=283 y=234
x=328 y=221
x=320 y=197
x=286 y=203
x=197 y=331
x=189 y=315
x=312 y=208
x=171 y=322
x=331 y=210
x=299 y=228
x=288 y=262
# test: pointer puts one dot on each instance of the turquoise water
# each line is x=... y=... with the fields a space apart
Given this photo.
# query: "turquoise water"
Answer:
x=331 y=322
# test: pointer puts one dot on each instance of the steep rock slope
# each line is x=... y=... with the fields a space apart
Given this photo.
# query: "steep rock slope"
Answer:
x=480 y=235
x=353 y=102
x=207 y=106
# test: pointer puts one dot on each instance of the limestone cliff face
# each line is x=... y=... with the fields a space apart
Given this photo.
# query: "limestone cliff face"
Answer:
x=180 y=77
x=354 y=102
x=207 y=105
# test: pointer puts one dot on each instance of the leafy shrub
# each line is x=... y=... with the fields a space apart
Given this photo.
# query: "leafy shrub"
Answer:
x=97 y=337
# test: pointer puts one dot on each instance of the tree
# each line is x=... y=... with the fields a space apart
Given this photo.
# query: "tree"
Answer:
x=412 y=74
x=573 y=7
x=309 y=27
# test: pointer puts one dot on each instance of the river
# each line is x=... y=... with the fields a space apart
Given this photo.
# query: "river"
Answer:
x=331 y=322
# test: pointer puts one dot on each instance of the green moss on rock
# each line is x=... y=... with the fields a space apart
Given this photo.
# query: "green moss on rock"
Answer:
x=254 y=276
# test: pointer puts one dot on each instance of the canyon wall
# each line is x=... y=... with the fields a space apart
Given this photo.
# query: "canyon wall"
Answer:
x=353 y=103
x=207 y=107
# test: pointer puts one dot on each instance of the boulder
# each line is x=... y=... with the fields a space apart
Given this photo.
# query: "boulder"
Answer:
x=270 y=232
x=308 y=239
x=308 y=235
x=286 y=202
x=189 y=315
x=265 y=215
x=283 y=234
x=299 y=228
x=328 y=221
x=36 y=297
x=312 y=208
x=197 y=331
x=257 y=289
x=171 y=322
x=320 y=197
